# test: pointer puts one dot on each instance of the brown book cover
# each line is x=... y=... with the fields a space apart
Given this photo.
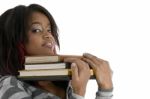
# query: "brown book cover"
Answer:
x=47 y=66
x=47 y=59
x=41 y=59
x=49 y=74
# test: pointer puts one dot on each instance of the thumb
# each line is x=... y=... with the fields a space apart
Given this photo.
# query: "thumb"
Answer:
x=74 y=69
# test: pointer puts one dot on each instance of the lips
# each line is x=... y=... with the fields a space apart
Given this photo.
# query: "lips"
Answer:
x=50 y=45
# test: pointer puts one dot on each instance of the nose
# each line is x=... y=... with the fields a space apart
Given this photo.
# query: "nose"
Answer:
x=47 y=36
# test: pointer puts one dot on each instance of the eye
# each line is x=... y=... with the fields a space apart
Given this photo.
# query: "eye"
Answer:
x=49 y=30
x=36 y=30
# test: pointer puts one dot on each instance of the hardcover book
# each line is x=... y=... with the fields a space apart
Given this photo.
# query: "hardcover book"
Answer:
x=47 y=66
x=47 y=59
x=41 y=59
x=48 y=74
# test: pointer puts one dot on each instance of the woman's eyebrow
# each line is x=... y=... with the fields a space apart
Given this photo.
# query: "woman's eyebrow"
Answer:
x=48 y=25
x=36 y=23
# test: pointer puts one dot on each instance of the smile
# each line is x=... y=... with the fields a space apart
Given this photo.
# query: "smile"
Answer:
x=49 y=45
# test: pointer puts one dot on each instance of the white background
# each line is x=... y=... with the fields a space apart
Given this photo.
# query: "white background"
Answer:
x=115 y=30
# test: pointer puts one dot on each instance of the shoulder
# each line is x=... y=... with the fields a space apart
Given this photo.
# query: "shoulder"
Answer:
x=11 y=88
x=9 y=81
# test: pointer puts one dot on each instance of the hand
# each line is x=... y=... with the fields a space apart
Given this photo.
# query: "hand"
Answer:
x=80 y=75
x=101 y=69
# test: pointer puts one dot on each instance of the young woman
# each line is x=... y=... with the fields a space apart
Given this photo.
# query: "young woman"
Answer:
x=29 y=31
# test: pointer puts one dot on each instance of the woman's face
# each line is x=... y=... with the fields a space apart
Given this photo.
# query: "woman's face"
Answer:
x=41 y=41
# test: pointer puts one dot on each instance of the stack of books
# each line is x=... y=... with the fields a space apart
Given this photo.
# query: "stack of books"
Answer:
x=46 y=68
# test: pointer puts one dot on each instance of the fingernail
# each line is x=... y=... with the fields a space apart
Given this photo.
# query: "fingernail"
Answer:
x=73 y=64
x=85 y=54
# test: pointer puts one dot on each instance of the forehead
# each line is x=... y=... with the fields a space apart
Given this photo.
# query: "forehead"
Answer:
x=37 y=17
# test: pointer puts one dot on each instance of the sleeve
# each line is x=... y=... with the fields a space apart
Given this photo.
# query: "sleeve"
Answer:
x=75 y=96
x=100 y=94
x=72 y=95
x=104 y=94
x=11 y=90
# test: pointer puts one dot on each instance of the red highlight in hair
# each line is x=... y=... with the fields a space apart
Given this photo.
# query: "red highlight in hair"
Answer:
x=22 y=53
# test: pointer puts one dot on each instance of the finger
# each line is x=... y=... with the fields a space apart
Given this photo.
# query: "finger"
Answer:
x=91 y=63
x=91 y=57
x=95 y=59
x=74 y=71
x=79 y=63
x=70 y=60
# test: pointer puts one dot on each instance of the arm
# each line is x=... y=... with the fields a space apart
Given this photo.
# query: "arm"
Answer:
x=80 y=77
x=71 y=94
x=75 y=96
x=101 y=94
x=104 y=94
x=103 y=75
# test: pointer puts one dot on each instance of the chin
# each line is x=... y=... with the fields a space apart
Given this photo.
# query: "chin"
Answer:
x=49 y=53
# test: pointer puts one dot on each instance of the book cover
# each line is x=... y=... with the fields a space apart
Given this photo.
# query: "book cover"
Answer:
x=49 y=74
x=41 y=59
x=47 y=59
x=47 y=66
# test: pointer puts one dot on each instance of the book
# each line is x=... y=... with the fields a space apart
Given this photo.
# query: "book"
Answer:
x=41 y=59
x=47 y=66
x=48 y=74
x=47 y=59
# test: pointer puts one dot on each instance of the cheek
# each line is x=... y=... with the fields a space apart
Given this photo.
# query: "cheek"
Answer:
x=32 y=45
